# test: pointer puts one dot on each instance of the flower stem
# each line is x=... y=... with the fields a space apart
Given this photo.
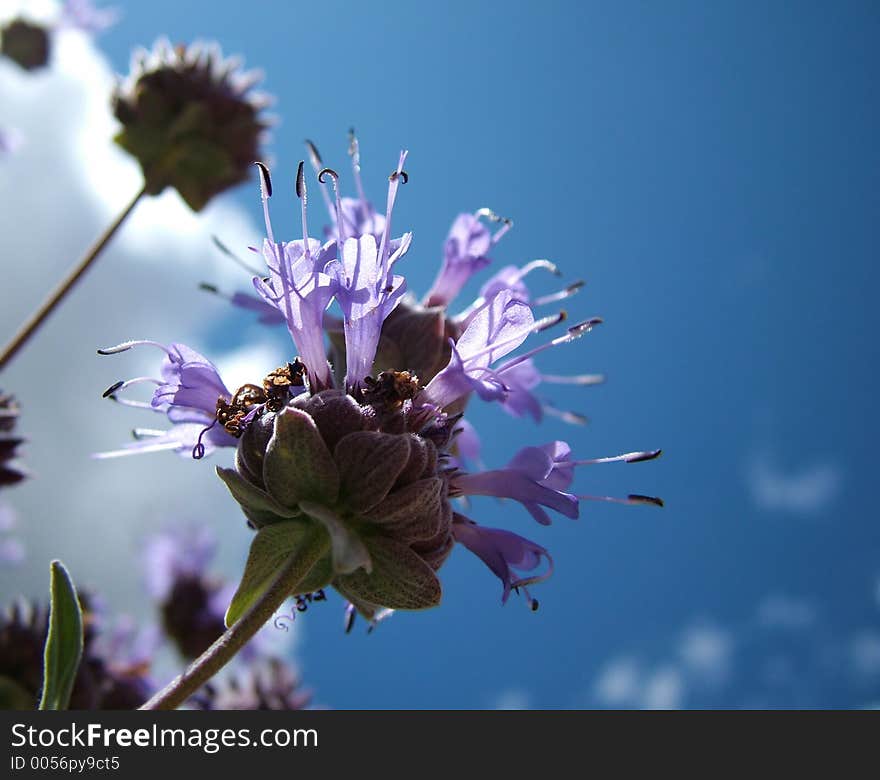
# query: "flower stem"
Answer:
x=57 y=295
x=224 y=649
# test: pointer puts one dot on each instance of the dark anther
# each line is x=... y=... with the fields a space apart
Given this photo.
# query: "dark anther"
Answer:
x=652 y=500
x=264 y=174
x=208 y=287
x=493 y=217
x=534 y=605
x=403 y=175
x=108 y=393
x=640 y=457
x=314 y=154
x=327 y=172
x=300 y=180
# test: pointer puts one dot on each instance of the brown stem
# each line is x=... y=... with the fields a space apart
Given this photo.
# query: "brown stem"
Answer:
x=40 y=315
x=224 y=649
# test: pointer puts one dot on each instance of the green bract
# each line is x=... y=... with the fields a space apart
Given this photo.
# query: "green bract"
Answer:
x=325 y=465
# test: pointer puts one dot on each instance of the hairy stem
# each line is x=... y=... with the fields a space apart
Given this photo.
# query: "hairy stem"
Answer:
x=66 y=285
x=224 y=649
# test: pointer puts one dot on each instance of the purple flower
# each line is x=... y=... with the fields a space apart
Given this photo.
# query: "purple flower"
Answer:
x=191 y=602
x=187 y=394
x=464 y=254
x=83 y=15
x=11 y=549
x=536 y=477
x=367 y=289
x=504 y=553
x=299 y=285
x=498 y=328
x=11 y=141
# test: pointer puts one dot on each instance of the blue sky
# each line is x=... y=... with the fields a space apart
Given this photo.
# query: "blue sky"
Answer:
x=710 y=169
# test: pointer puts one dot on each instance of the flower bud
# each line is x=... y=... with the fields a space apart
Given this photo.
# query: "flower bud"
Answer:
x=359 y=475
x=10 y=474
x=191 y=120
x=25 y=43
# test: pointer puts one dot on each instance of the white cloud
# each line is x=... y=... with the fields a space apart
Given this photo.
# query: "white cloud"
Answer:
x=779 y=611
x=865 y=653
x=618 y=683
x=513 y=699
x=808 y=489
x=706 y=650
x=58 y=192
x=663 y=690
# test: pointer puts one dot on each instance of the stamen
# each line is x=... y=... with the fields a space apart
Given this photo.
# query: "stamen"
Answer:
x=265 y=179
x=317 y=165
x=340 y=224
x=350 y=615
x=573 y=418
x=302 y=194
x=574 y=332
x=578 y=379
x=234 y=257
x=631 y=500
x=493 y=217
x=127 y=345
x=265 y=194
x=627 y=457
x=146 y=433
x=112 y=389
x=534 y=265
x=314 y=156
x=561 y=295
x=393 y=183
x=354 y=152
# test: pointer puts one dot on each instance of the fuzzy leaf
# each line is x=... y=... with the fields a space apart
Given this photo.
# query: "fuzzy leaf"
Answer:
x=64 y=642
x=252 y=498
x=270 y=550
x=400 y=578
x=369 y=463
x=412 y=513
x=298 y=465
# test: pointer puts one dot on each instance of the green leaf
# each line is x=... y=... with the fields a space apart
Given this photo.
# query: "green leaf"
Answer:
x=270 y=551
x=64 y=642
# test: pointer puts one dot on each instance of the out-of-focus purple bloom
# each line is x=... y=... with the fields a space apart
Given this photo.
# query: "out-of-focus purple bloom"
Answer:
x=11 y=549
x=266 y=684
x=10 y=472
x=505 y=553
x=83 y=15
x=464 y=254
x=187 y=394
x=299 y=286
x=11 y=140
x=536 y=477
x=192 y=604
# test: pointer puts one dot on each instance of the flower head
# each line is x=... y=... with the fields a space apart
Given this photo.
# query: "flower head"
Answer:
x=113 y=673
x=191 y=119
x=25 y=43
x=10 y=472
x=355 y=463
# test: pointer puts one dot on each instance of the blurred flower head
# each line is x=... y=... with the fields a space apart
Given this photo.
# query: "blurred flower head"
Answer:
x=10 y=472
x=267 y=684
x=191 y=119
x=113 y=673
